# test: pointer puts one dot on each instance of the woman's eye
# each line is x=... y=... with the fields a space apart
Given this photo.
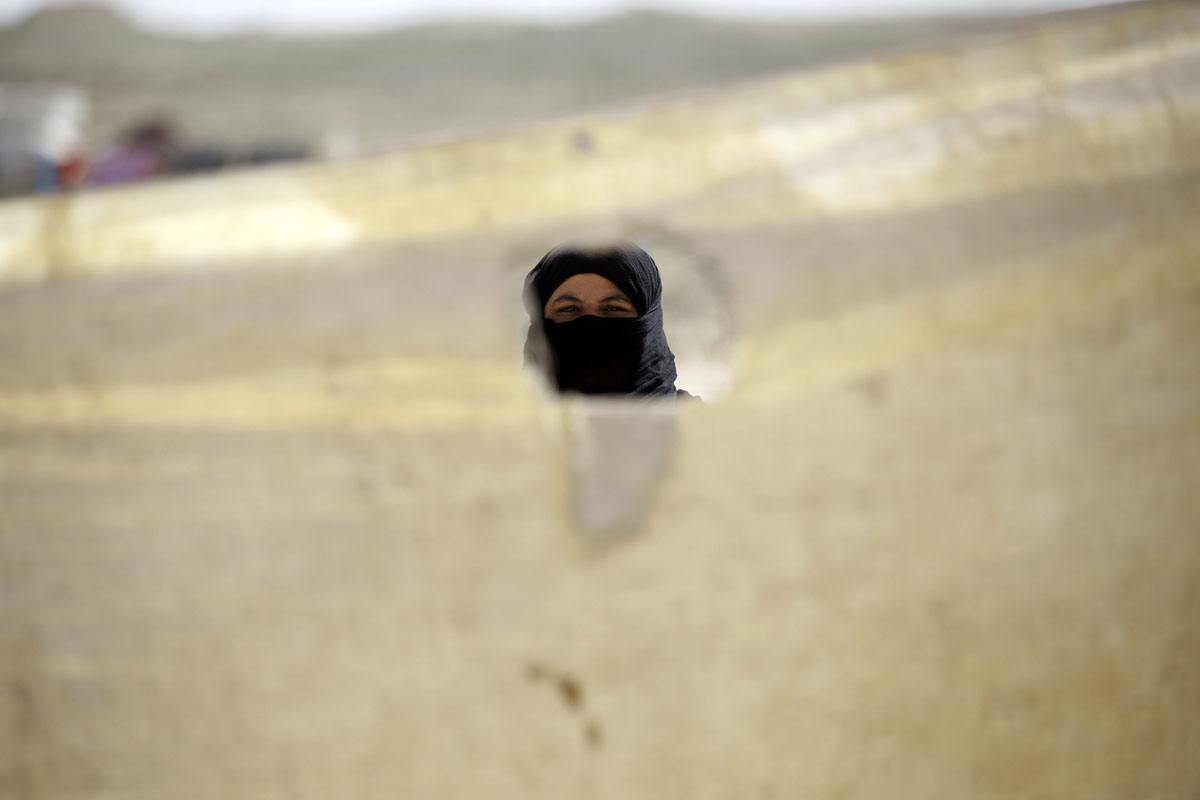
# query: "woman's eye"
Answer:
x=567 y=309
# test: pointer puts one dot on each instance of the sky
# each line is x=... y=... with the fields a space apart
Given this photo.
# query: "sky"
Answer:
x=314 y=16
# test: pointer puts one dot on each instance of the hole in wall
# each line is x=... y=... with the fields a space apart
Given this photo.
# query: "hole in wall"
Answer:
x=620 y=452
x=697 y=304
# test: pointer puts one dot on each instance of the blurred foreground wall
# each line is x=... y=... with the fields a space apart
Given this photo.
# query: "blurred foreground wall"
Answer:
x=281 y=517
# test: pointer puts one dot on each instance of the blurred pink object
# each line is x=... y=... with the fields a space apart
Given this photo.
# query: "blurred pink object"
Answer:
x=127 y=164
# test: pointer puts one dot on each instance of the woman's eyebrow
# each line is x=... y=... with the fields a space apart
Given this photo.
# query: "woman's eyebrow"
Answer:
x=570 y=297
x=619 y=297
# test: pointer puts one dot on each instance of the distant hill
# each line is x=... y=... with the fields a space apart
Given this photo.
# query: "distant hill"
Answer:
x=395 y=84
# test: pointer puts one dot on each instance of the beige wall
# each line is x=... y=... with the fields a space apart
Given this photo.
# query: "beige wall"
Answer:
x=280 y=517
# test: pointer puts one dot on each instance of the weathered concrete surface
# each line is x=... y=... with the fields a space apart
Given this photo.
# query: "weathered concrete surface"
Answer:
x=303 y=529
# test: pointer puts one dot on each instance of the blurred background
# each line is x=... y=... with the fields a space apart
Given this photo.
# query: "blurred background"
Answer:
x=99 y=94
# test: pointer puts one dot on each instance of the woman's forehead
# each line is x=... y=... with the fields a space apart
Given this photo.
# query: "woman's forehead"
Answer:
x=630 y=269
x=588 y=285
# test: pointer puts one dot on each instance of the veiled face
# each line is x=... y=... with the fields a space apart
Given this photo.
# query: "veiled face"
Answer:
x=587 y=294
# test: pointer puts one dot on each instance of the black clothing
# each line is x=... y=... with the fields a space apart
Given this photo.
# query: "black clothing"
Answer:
x=595 y=355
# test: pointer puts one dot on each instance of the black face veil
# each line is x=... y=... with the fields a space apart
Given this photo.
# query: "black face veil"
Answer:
x=594 y=355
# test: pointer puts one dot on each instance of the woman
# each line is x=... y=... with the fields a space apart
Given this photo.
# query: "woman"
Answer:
x=596 y=324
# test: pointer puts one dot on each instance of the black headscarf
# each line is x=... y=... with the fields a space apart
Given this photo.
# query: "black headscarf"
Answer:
x=632 y=355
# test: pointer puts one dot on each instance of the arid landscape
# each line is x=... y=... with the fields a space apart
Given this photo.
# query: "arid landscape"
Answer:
x=391 y=85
